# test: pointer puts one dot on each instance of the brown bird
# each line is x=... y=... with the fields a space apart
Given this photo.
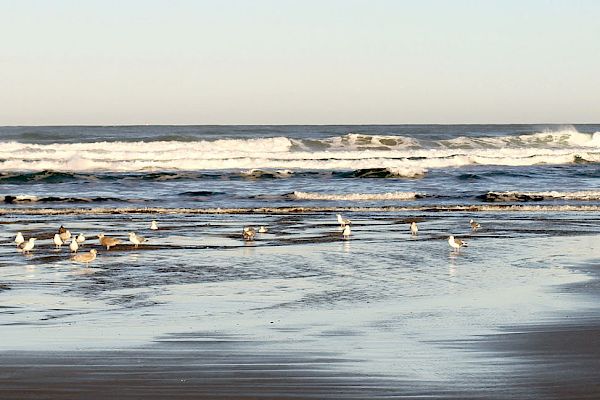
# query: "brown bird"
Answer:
x=85 y=258
x=108 y=242
x=248 y=233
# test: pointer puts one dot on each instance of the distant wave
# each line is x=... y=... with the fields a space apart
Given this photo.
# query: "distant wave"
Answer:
x=281 y=156
x=540 y=196
x=403 y=196
x=300 y=210
x=21 y=199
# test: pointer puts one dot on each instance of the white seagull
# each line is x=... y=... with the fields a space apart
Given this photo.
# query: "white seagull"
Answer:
x=154 y=226
x=456 y=244
x=414 y=230
x=262 y=229
x=474 y=225
x=57 y=241
x=28 y=245
x=80 y=239
x=343 y=221
x=135 y=239
x=346 y=232
x=74 y=246
x=19 y=239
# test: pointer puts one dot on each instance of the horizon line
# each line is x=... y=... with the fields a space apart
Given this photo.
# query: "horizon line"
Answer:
x=298 y=124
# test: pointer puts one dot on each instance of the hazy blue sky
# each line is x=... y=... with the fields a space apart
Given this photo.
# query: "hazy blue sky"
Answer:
x=278 y=62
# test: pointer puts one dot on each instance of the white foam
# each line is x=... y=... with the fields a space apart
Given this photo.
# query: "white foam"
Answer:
x=402 y=156
x=357 y=196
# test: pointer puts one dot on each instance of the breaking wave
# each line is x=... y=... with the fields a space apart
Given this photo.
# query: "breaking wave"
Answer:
x=363 y=155
x=403 y=196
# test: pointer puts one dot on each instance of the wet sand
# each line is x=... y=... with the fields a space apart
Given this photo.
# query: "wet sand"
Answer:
x=189 y=368
x=560 y=361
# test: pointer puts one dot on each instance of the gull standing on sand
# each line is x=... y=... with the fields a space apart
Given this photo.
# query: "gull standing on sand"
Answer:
x=135 y=239
x=85 y=258
x=108 y=242
x=414 y=230
x=80 y=239
x=456 y=244
x=346 y=232
x=154 y=226
x=74 y=246
x=474 y=225
x=19 y=239
x=248 y=233
x=343 y=221
x=28 y=245
x=57 y=241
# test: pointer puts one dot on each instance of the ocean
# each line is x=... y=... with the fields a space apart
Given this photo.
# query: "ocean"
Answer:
x=383 y=304
x=316 y=167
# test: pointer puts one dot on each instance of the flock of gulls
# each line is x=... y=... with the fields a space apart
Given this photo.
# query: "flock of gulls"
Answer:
x=63 y=236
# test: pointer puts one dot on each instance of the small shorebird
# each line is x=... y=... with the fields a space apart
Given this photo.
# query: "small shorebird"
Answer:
x=153 y=225
x=27 y=246
x=346 y=232
x=108 y=242
x=57 y=241
x=456 y=244
x=80 y=239
x=262 y=229
x=135 y=239
x=19 y=239
x=85 y=258
x=343 y=221
x=414 y=230
x=74 y=246
x=64 y=236
x=474 y=225
x=248 y=233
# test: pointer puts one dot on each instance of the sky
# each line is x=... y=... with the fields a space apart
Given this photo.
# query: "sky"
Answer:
x=67 y=62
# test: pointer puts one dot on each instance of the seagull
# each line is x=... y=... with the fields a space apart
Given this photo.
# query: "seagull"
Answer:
x=248 y=233
x=19 y=239
x=57 y=241
x=343 y=221
x=80 y=239
x=66 y=235
x=28 y=245
x=414 y=230
x=154 y=226
x=74 y=246
x=262 y=229
x=456 y=244
x=346 y=232
x=474 y=225
x=108 y=241
x=135 y=239
x=85 y=258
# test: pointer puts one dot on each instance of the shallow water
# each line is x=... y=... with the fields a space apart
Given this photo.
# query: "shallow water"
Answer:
x=382 y=300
